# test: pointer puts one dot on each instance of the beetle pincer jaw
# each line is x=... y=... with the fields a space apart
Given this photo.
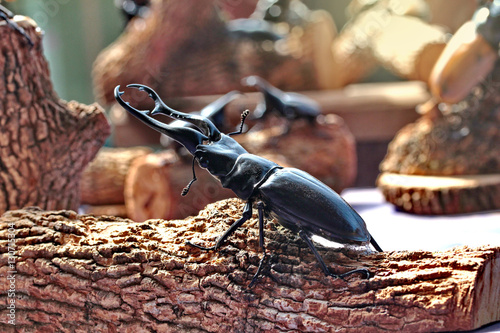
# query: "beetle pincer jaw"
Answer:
x=125 y=104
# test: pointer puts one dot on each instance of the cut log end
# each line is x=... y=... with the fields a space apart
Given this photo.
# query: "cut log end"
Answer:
x=78 y=272
x=436 y=195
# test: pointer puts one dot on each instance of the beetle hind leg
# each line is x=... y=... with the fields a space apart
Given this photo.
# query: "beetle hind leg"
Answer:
x=307 y=238
x=247 y=213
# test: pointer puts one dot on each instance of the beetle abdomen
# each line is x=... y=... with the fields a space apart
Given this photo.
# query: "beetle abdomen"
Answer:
x=302 y=202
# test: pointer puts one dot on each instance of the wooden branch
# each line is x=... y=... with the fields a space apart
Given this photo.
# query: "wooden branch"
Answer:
x=392 y=37
x=45 y=143
x=78 y=273
x=104 y=179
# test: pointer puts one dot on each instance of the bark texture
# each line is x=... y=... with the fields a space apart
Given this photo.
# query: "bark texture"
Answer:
x=77 y=273
x=45 y=143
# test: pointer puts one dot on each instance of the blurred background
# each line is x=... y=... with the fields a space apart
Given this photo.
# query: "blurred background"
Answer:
x=77 y=30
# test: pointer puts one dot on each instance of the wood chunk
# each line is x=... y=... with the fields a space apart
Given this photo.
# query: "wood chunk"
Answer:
x=103 y=180
x=45 y=142
x=79 y=272
x=177 y=55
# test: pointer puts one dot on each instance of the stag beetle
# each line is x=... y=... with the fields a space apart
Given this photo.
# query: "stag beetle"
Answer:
x=7 y=16
x=299 y=201
x=286 y=104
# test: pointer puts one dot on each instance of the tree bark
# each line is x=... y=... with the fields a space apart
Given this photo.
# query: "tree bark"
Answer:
x=78 y=273
x=45 y=143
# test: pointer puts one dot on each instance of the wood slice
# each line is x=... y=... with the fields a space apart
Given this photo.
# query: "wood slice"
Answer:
x=154 y=184
x=78 y=273
x=45 y=142
x=441 y=194
x=104 y=179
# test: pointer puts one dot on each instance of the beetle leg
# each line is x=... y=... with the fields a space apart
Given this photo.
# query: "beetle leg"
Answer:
x=307 y=238
x=6 y=15
x=260 y=208
x=247 y=213
x=185 y=190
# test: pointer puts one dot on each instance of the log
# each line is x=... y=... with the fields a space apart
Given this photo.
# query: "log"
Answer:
x=79 y=273
x=103 y=180
x=45 y=142
x=458 y=145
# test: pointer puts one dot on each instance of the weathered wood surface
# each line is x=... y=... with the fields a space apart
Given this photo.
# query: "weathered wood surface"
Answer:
x=77 y=273
x=45 y=142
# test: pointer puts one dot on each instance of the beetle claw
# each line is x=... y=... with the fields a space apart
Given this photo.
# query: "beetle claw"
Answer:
x=359 y=270
x=211 y=248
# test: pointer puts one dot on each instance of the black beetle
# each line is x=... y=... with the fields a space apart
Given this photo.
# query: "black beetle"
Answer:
x=286 y=104
x=7 y=16
x=299 y=201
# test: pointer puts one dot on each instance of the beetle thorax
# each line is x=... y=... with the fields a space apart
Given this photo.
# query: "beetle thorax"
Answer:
x=248 y=171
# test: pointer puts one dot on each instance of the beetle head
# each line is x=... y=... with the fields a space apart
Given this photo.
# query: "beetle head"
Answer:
x=220 y=156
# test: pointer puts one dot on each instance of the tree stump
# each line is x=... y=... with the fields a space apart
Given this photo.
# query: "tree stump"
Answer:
x=80 y=273
x=45 y=143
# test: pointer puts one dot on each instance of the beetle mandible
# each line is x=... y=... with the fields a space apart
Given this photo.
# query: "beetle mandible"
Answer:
x=299 y=201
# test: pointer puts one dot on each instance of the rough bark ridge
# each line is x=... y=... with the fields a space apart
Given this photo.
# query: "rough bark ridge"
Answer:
x=45 y=142
x=77 y=273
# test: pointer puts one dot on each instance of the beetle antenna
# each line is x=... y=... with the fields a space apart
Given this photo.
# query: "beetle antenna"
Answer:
x=185 y=190
x=244 y=116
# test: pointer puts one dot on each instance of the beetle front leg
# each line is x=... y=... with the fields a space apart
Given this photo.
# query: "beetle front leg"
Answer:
x=247 y=214
x=260 y=208
x=307 y=238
